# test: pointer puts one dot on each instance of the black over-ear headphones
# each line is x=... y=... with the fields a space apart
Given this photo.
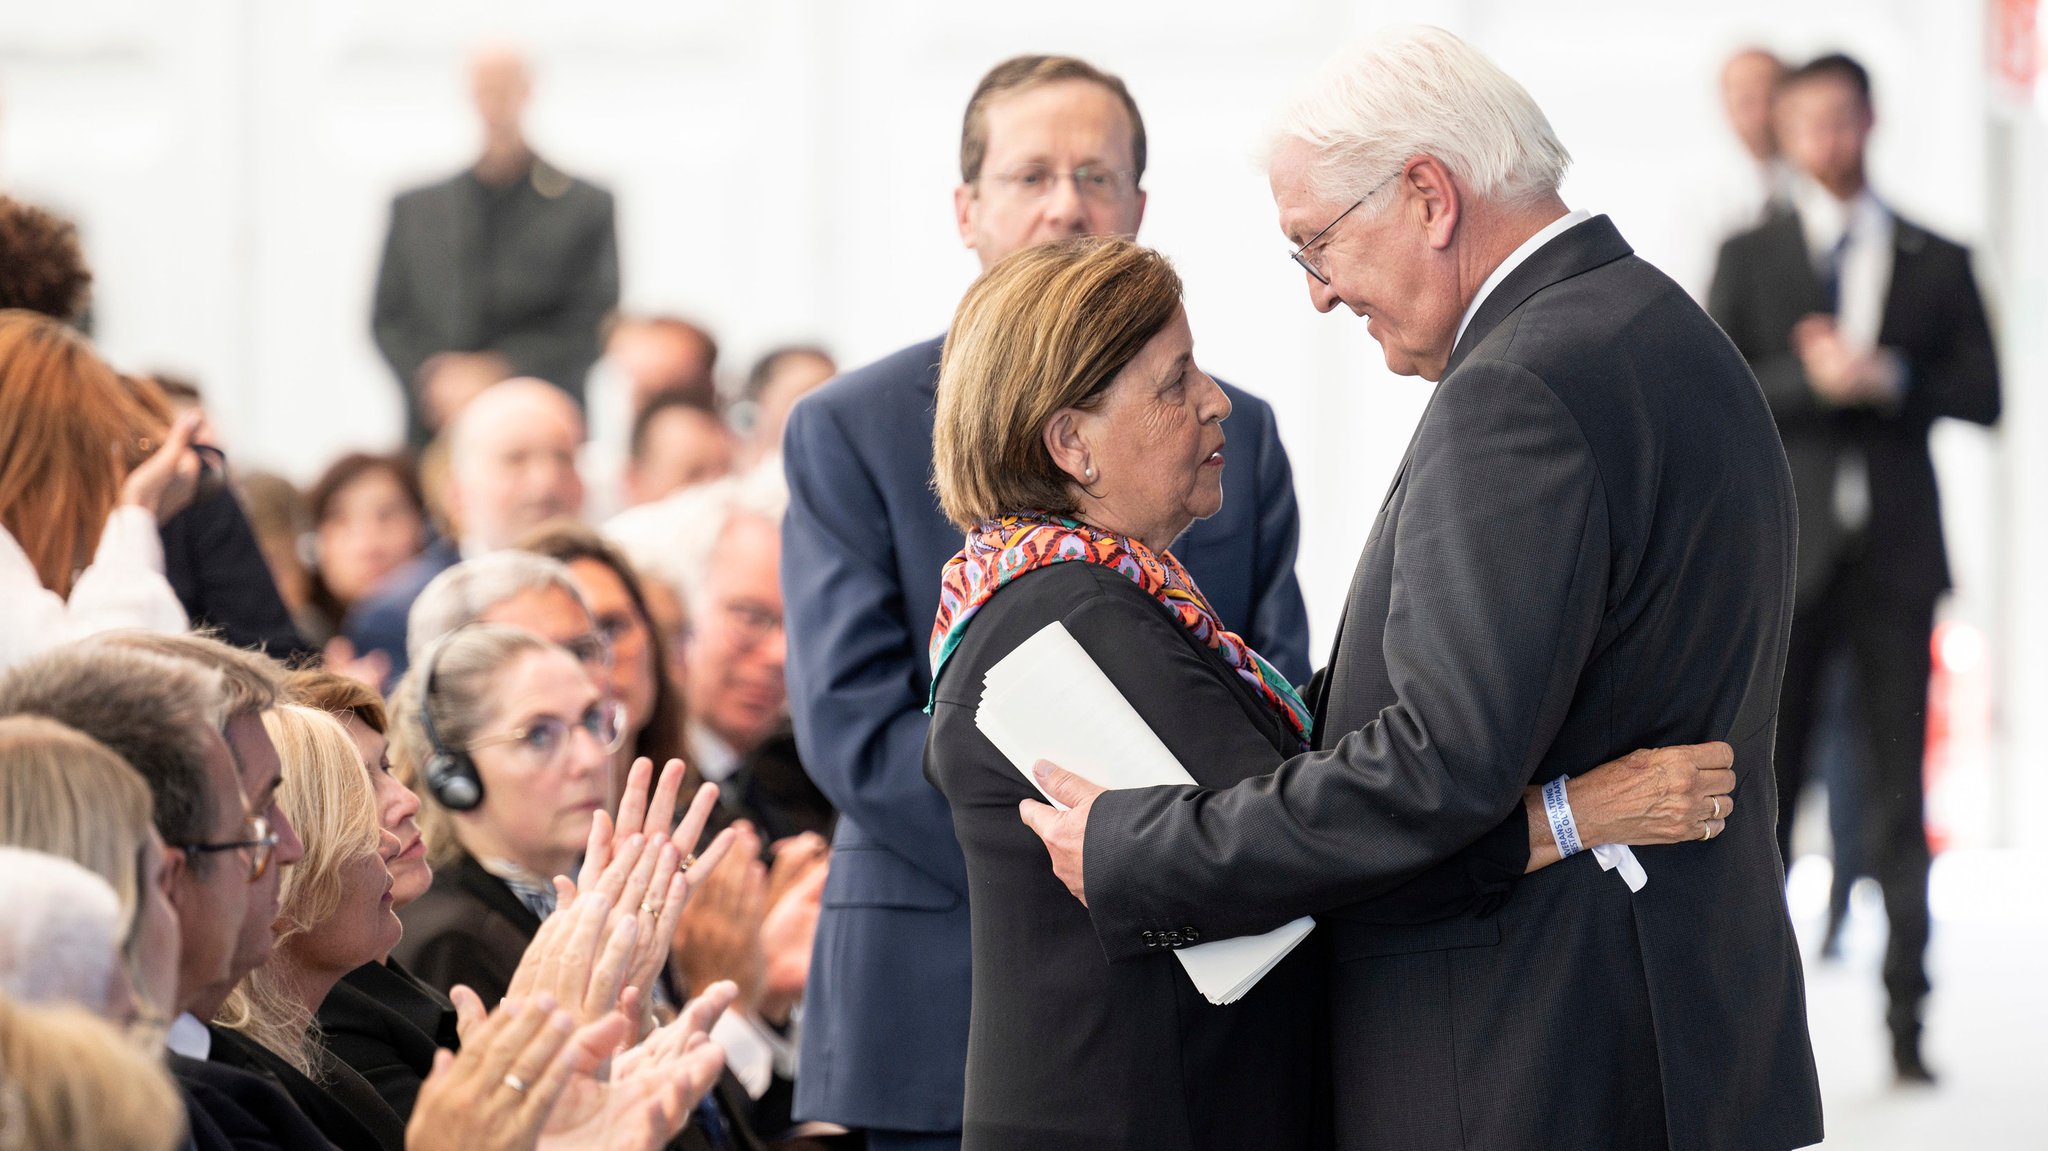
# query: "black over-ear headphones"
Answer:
x=450 y=772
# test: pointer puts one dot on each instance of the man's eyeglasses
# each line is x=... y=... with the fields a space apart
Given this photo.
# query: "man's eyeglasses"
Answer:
x=1091 y=182
x=1300 y=255
x=545 y=739
x=257 y=839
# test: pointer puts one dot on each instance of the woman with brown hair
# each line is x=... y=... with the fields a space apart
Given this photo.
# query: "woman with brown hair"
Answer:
x=88 y=468
x=369 y=518
x=655 y=719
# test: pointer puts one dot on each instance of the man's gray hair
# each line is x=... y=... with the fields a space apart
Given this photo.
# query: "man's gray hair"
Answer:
x=471 y=588
x=674 y=538
x=60 y=930
x=1420 y=91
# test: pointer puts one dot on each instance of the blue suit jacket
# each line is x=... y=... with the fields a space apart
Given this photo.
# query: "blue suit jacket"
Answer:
x=885 y=1019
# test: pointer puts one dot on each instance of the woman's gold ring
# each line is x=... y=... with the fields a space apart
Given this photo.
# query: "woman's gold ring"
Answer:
x=689 y=861
x=514 y=1082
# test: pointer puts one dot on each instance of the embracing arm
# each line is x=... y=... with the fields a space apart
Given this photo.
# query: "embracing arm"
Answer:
x=1498 y=583
x=854 y=681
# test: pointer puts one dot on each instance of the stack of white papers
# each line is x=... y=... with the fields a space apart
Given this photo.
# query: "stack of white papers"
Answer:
x=1048 y=700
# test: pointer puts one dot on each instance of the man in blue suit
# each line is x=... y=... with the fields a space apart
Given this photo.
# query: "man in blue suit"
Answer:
x=1051 y=147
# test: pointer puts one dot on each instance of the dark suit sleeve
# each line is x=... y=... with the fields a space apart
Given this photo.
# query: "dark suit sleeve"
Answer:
x=212 y=562
x=1183 y=698
x=1499 y=576
x=1763 y=340
x=1958 y=378
x=395 y=314
x=853 y=674
x=564 y=344
x=1279 y=623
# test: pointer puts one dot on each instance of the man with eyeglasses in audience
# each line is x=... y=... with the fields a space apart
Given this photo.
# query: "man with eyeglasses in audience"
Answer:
x=1051 y=147
x=164 y=716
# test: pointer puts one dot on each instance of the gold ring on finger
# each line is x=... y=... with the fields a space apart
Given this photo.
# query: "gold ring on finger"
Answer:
x=514 y=1082
x=1717 y=805
x=689 y=861
x=1706 y=831
x=649 y=907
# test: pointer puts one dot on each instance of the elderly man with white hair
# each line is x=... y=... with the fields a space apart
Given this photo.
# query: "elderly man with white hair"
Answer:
x=1587 y=549
x=512 y=467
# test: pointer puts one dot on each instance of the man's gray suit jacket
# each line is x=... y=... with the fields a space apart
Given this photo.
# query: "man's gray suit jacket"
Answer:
x=1588 y=549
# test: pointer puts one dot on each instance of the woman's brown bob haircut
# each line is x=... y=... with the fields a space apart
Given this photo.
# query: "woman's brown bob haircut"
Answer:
x=1047 y=328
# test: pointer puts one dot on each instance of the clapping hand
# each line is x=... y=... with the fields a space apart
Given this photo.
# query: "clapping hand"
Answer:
x=500 y=1092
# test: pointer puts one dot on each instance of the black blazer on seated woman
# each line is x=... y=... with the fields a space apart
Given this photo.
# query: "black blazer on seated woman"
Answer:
x=386 y=1025
x=345 y=1108
x=469 y=928
x=1066 y=1049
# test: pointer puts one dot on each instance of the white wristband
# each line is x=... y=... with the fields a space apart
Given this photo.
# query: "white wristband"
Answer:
x=1563 y=828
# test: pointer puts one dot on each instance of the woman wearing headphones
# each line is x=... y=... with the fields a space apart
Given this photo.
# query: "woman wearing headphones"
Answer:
x=509 y=743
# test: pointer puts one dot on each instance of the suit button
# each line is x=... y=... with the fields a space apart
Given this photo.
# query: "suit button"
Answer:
x=1149 y=940
x=1189 y=934
x=1173 y=939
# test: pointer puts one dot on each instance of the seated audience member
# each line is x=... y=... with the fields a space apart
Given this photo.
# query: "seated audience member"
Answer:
x=280 y=517
x=381 y=1020
x=639 y=679
x=209 y=555
x=65 y=793
x=42 y=266
x=71 y=1081
x=657 y=354
x=334 y=915
x=60 y=934
x=512 y=466
x=521 y=589
x=678 y=442
x=368 y=519
x=163 y=715
x=777 y=381
x=525 y=736
x=739 y=704
x=79 y=544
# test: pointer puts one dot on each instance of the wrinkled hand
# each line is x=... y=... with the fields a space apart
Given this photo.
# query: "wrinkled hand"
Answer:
x=796 y=890
x=467 y=1104
x=720 y=936
x=655 y=1085
x=164 y=483
x=579 y=957
x=1065 y=832
x=1659 y=795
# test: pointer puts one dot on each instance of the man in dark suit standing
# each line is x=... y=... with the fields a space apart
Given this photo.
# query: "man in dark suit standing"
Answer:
x=1587 y=550
x=1863 y=328
x=1051 y=147
x=512 y=256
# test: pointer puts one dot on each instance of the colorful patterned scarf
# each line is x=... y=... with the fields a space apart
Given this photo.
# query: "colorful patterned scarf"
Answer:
x=1002 y=549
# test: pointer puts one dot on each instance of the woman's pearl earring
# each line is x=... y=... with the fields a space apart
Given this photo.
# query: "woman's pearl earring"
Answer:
x=1089 y=475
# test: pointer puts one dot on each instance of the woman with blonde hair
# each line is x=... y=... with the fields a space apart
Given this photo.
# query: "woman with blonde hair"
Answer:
x=89 y=466
x=66 y=794
x=334 y=915
x=69 y=1080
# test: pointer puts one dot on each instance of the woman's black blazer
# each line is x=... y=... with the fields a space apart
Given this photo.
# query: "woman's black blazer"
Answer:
x=1066 y=1049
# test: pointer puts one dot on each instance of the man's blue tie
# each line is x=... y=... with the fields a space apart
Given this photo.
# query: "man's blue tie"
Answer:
x=712 y=1123
x=1831 y=274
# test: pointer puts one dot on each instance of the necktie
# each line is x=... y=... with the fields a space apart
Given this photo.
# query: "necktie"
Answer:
x=1831 y=273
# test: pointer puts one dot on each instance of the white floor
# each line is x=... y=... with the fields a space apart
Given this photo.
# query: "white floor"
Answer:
x=1987 y=1022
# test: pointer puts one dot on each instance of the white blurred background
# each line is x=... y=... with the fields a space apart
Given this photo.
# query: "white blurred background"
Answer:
x=784 y=171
